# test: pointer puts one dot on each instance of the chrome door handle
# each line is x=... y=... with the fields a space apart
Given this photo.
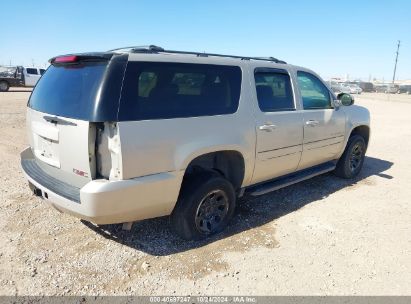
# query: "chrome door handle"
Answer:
x=312 y=123
x=267 y=127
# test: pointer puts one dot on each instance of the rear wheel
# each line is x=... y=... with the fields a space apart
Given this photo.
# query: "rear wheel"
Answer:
x=352 y=160
x=4 y=86
x=205 y=206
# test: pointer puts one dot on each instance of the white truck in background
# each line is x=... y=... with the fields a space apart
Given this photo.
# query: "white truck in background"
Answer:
x=19 y=76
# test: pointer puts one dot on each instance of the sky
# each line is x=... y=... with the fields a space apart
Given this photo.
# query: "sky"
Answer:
x=357 y=39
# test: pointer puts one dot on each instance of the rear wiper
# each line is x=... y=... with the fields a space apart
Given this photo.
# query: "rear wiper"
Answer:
x=55 y=120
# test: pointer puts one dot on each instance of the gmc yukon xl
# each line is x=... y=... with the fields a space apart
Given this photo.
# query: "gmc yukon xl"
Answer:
x=143 y=132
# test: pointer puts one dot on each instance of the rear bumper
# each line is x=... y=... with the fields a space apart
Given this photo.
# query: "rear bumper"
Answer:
x=105 y=202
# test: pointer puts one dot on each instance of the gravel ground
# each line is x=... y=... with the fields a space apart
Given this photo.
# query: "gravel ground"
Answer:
x=325 y=236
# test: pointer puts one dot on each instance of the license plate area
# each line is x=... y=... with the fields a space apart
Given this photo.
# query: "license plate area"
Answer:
x=47 y=150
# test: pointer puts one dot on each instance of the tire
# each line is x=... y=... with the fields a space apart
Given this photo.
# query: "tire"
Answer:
x=197 y=214
x=4 y=86
x=352 y=160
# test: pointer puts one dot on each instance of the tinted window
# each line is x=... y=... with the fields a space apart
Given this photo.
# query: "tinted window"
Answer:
x=155 y=90
x=274 y=92
x=314 y=93
x=69 y=91
x=31 y=71
x=42 y=71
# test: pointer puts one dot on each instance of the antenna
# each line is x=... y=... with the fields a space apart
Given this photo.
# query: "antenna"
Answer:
x=396 y=59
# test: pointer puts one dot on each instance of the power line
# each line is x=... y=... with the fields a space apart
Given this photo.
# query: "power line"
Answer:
x=396 y=59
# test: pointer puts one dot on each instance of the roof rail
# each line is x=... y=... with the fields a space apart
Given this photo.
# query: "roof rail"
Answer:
x=139 y=49
x=157 y=49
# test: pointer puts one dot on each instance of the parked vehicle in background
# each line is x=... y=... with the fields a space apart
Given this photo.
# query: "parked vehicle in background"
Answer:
x=366 y=86
x=334 y=86
x=391 y=89
x=138 y=133
x=10 y=77
x=405 y=88
x=380 y=88
x=345 y=88
x=19 y=76
x=354 y=88
x=337 y=88
x=32 y=75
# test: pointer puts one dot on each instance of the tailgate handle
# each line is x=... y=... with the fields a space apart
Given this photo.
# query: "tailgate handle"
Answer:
x=55 y=120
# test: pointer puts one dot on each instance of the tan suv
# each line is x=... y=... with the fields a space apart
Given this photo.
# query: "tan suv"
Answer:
x=139 y=133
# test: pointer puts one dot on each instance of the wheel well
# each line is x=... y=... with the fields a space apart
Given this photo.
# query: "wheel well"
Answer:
x=364 y=131
x=229 y=164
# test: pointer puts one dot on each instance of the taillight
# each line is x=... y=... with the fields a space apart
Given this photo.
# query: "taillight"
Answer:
x=65 y=59
x=79 y=58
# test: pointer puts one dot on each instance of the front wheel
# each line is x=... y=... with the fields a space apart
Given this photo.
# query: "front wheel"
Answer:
x=352 y=160
x=205 y=206
x=4 y=86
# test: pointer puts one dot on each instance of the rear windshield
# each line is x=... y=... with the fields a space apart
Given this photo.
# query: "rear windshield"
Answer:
x=69 y=91
x=159 y=90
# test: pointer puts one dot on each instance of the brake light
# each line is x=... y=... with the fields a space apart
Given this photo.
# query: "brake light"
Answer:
x=66 y=59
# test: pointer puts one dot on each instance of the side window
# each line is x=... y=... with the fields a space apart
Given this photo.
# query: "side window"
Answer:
x=160 y=90
x=42 y=71
x=314 y=93
x=146 y=82
x=189 y=83
x=274 y=92
x=31 y=71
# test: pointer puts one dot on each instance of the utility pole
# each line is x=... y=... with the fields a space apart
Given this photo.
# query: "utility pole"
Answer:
x=396 y=59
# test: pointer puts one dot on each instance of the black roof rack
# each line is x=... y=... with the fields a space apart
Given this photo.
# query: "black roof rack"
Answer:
x=138 y=49
x=153 y=49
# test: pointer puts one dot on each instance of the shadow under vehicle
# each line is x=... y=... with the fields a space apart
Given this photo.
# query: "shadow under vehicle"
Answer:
x=156 y=237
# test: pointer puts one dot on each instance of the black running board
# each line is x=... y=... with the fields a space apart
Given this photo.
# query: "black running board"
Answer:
x=289 y=179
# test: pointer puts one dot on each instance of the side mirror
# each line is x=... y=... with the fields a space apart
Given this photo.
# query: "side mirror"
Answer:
x=345 y=99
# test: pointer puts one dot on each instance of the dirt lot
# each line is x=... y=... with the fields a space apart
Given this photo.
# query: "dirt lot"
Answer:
x=321 y=237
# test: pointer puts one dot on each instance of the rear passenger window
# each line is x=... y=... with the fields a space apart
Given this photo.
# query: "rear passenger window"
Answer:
x=158 y=90
x=146 y=82
x=31 y=71
x=274 y=92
